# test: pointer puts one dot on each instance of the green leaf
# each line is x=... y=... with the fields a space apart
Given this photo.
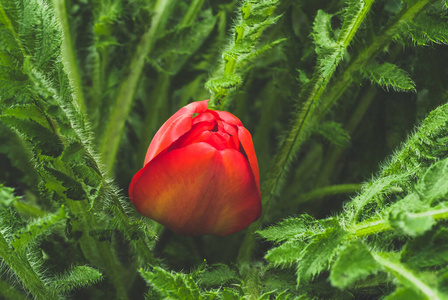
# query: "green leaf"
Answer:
x=410 y=279
x=434 y=184
x=41 y=137
x=318 y=253
x=388 y=76
x=7 y=197
x=173 y=49
x=285 y=254
x=323 y=34
x=78 y=277
x=407 y=215
x=354 y=262
x=427 y=250
x=63 y=184
x=216 y=275
x=172 y=285
x=37 y=228
x=293 y=228
x=371 y=192
x=429 y=28
x=334 y=132
x=329 y=51
x=226 y=82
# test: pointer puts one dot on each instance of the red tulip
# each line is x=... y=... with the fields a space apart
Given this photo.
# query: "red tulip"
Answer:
x=200 y=174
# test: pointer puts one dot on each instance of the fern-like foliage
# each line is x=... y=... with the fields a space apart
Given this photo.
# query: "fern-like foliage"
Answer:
x=84 y=86
x=406 y=203
x=389 y=76
x=253 y=18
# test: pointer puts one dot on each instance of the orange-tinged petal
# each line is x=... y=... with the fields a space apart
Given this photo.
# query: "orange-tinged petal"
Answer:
x=174 y=128
x=248 y=146
x=198 y=190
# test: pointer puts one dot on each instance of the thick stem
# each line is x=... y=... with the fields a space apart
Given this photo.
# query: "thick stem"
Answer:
x=69 y=56
x=114 y=129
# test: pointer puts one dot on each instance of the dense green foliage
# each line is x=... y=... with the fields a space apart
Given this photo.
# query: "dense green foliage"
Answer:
x=332 y=92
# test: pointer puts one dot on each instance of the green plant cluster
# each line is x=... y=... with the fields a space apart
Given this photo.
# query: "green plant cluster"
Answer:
x=332 y=92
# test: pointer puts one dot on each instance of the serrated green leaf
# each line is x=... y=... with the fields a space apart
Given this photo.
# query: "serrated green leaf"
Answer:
x=429 y=28
x=172 y=285
x=353 y=262
x=354 y=7
x=63 y=184
x=318 y=253
x=216 y=275
x=285 y=254
x=434 y=184
x=293 y=228
x=371 y=191
x=323 y=35
x=42 y=138
x=79 y=276
x=37 y=228
x=7 y=197
x=226 y=82
x=173 y=49
x=334 y=132
x=388 y=75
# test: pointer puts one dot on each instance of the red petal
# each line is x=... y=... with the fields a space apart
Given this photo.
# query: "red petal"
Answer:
x=248 y=146
x=174 y=128
x=229 y=118
x=198 y=190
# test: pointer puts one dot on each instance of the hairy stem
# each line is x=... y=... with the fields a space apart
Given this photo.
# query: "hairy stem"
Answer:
x=114 y=129
x=368 y=53
x=380 y=225
x=393 y=265
x=98 y=252
x=160 y=94
x=17 y=261
x=299 y=132
x=330 y=190
x=69 y=56
x=9 y=292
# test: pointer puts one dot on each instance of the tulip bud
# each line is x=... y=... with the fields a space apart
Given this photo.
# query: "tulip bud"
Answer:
x=200 y=174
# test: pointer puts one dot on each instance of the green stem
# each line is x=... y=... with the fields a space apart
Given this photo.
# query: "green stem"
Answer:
x=367 y=54
x=160 y=94
x=191 y=13
x=300 y=129
x=391 y=262
x=9 y=292
x=379 y=225
x=333 y=157
x=69 y=56
x=17 y=261
x=114 y=128
x=99 y=253
x=330 y=190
